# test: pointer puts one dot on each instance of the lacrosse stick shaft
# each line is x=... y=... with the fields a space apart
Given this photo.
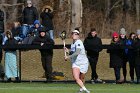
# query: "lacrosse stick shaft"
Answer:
x=64 y=47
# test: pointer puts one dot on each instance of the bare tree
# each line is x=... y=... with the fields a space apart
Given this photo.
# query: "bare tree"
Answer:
x=14 y=9
x=77 y=12
x=138 y=10
x=3 y=9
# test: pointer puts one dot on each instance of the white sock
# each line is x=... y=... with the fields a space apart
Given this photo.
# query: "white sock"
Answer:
x=84 y=88
x=81 y=89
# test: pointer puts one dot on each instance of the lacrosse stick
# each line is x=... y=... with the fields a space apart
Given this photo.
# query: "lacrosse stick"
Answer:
x=63 y=37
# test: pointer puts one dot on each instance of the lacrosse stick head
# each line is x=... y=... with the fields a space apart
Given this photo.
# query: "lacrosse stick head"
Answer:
x=63 y=35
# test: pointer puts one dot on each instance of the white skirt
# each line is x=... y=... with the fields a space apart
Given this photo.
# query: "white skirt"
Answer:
x=83 y=67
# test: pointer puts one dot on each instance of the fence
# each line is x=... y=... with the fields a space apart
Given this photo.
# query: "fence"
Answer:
x=30 y=66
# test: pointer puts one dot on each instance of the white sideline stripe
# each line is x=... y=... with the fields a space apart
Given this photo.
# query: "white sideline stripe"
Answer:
x=38 y=88
x=56 y=88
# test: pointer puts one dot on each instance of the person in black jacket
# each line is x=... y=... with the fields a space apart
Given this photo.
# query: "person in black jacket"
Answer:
x=137 y=56
x=116 y=60
x=93 y=46
x=47 y=22
x=46 y=54
x=2 y=73
x=30 y=14
x=123 y=40
x=1 y=21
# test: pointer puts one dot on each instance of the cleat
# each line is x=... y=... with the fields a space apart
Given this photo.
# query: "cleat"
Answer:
x=86 y=91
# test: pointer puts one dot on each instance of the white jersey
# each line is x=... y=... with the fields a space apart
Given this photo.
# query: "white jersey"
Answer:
x=81 y=58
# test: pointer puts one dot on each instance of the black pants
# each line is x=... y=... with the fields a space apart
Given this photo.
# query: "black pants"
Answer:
x=132 y=67
x=93 y=62
x=2 y=73
x=117 y=73
x=124 y=68
x=47 y=66
x=137 y=68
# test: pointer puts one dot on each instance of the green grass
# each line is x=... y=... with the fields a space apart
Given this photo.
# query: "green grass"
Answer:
x=66 y=88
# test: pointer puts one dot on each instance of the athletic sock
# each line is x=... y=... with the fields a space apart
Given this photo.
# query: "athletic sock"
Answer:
x=81 y=89
x=84 y=88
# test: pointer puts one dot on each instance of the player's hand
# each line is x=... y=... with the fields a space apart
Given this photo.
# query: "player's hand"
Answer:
x=66 y=50
x=66 y=57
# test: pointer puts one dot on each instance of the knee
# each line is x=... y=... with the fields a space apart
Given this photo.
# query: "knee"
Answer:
x=76 y=78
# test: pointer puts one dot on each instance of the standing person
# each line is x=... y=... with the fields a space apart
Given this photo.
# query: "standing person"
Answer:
x=79 y=60
x=11 y=68
x=1 y=21
x=30 y=14
x=1 y=39
x=2 y=73
x=46 y=54
x=123 y=40
x=116 y=61
x=47 y=22
x=130 y=55
x=93 y=46
x=137 y=56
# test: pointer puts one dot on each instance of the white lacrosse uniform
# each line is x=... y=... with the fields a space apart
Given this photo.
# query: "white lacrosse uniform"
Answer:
x=80 y=61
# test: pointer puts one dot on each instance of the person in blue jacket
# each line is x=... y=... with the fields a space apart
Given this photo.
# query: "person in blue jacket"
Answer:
x=130 y=55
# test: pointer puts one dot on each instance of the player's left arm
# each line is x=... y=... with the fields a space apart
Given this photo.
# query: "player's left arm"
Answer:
x=78 y=48
x=76 y=53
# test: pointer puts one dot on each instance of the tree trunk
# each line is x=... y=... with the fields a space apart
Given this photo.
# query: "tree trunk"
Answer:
x=129 y=3
x=3 y=9
x=77 y=12
x=107 y=8
x=138 y=10
x=14 y=9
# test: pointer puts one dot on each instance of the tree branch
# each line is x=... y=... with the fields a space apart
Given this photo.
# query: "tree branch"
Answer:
x=115 y=5
x=9 y=5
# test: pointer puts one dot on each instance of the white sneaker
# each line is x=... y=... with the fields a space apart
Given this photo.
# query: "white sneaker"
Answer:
x=86 y=91
x=98 y=80
x=92 y=82
x=80 y=91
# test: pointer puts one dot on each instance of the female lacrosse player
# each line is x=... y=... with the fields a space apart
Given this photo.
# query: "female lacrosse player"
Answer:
x=79 y=60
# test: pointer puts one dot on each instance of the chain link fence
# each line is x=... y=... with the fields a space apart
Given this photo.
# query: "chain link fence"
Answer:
x=31 y=69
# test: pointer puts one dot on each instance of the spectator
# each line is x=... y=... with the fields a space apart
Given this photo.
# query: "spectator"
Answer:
x=35 y=28
x=93 y=46
x=116 y=60
x=11 y=69
x=130 y=55
x=137 y=56
x=29 y=39
x=2 y=73
x=46 y=54
x=1 y=39
x=47 y=22
x=16 y=30
x=30 y=14
x=123 y=40
x=79 y=61
x=1 y=21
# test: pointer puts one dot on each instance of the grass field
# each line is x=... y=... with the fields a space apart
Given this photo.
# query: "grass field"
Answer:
x=66 y=88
